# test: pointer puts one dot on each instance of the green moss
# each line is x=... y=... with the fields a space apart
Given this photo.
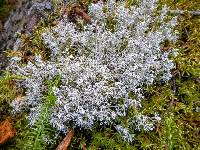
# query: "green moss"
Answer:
x=5 y=9
x=111 y=23
x=8 y=92
x=7 y=89
x=108 y=139
x=33 y=137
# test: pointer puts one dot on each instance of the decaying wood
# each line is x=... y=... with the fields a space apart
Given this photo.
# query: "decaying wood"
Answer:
x=6 y=131
x=82 y=14
x=66 y=141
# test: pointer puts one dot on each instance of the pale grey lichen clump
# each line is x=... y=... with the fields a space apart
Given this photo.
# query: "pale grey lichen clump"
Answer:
x=139 y=122
x=99 y=66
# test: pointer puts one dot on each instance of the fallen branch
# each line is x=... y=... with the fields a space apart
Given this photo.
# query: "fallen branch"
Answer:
x=66 y=141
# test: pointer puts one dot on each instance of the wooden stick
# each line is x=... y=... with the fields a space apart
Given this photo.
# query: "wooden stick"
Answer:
x=66 y=141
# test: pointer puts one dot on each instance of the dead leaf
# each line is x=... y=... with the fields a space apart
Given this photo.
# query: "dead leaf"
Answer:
x=6 y=131
x=66 y=141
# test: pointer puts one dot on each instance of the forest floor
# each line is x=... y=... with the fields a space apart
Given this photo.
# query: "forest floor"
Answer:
x=177 y=102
